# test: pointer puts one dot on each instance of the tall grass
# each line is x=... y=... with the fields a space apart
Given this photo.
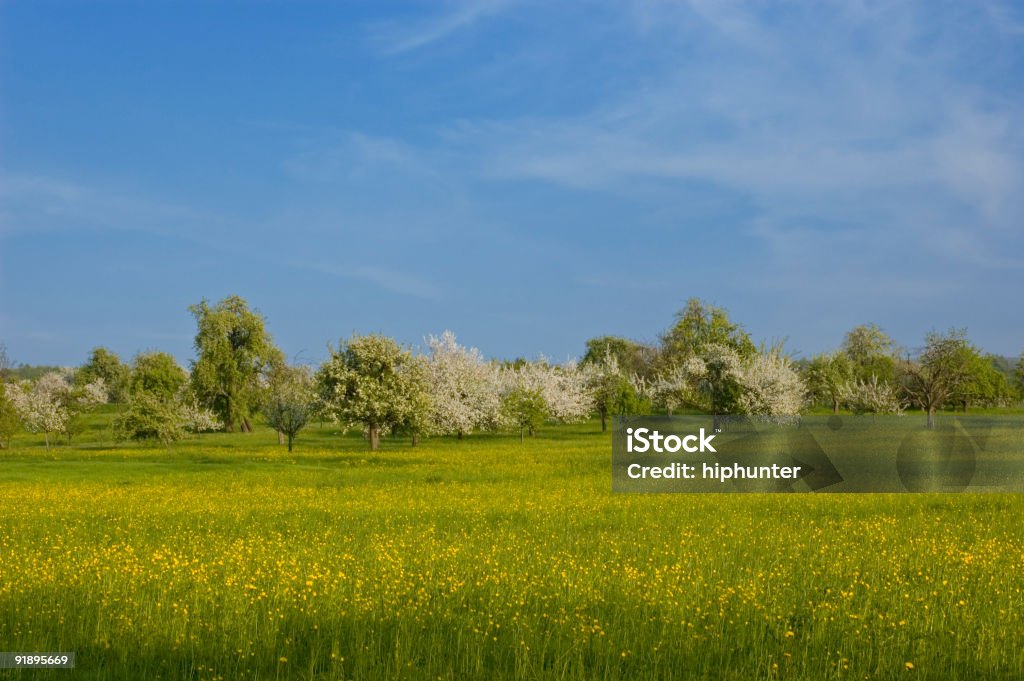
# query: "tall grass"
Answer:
x=224 y=557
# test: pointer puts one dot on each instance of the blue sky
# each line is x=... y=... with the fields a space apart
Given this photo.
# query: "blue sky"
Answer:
x=527 y=174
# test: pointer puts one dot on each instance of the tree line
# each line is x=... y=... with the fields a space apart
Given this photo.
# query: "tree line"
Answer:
x=703 y=362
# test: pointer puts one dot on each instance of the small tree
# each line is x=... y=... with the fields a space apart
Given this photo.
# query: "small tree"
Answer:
x=1019 y=374
x=535 y=392
x=611 y=390
x=290 y=402
x=940 y=373
x=373 y=382
x=525 y=408
x=42 y=405
x=155 y=408
x=10 y=422
x=826 y=375
x=604 y=380
x=871 y=396
x=148 y=417
x=80 y=400
x=195 y=417
x=105 y=366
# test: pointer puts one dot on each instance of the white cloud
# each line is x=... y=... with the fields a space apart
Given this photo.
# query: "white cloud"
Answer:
x=388 y=279
x=397 y=38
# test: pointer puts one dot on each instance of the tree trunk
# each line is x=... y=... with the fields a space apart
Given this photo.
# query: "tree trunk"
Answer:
x=46 y=436
x=374 y=438
x=835 y=406
x=290 y=436
x=246 y=427
x=533 y=431
x=280 y=440
x=521 y=429
x=415 y=439
x=458 y=436
x=604 y=420
x=931 y=416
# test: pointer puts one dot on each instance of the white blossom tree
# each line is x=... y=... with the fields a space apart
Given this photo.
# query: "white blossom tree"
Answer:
x=39 y=406
x=871 y=396
x=51 y=405
x=291 y=401
x=465 y=393
x=371 y=381
x=771 y=386
x=546 y=392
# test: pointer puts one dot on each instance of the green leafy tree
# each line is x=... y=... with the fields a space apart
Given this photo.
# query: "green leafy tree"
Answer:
x=233 y=352
x=153 y=409
x=147 y=416
x=526 y=409
x=826 y=376
x=941 y=373
x=611 y=388
x=10 y=422
x=373 y=382
x=291 y=401
x=157 y=374
x=632 y=358
x=871 y=353
x=6 y=365
x=700 y=325
x=1019 y=374
x=106 y=366
x=986 y=385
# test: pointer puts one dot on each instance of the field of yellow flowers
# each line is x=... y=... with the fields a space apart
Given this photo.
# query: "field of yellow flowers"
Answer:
x=224 y=557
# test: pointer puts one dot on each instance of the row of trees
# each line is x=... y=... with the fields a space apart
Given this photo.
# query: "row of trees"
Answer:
x=703 y=362
x=708 y=363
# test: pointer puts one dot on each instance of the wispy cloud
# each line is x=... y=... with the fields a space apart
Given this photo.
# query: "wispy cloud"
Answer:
x=852 y=116
x=330 y=154
x=36 y=203
x=402 y=283
x=397 y=38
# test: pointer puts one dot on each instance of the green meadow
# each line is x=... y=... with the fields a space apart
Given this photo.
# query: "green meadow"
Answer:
x=226 y=557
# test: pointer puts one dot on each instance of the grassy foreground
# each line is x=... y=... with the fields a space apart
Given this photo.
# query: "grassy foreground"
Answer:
x=225 y=557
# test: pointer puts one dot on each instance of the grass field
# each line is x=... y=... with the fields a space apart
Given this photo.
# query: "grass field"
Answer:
x=224 y=557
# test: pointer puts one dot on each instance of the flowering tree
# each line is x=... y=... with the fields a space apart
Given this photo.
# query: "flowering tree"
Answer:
x=611 y=389
x=10 y=421
x=195 y=417
x=539 y=391
x=51 y=405
x=871 y=396
x=373 y=382
x=291 y=401
x=677 y=386
x=38 y=405
x=464 y=389
x=771 y=386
